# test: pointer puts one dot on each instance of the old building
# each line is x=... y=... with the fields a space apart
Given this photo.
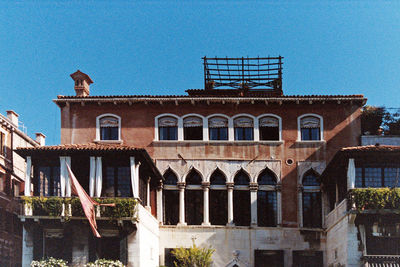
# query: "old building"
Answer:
x=12 y=176
x=235 y=165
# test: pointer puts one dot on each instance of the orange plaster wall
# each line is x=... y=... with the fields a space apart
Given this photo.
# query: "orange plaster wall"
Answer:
x=342 y=128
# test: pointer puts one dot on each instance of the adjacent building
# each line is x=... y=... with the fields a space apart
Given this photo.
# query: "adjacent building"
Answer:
x=236 y=166
x=12 y=176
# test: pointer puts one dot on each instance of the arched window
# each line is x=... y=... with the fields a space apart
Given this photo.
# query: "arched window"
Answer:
x=170 y=198
x=244 y=128
x=193 y=128
x=218 y=128
x=241 y=199
x=312 y=205
x=266 y=199
x=168 y=128
x=310 y=128
x=194 y=199
x=218 y=199
x=109 y=127
x=269 y=128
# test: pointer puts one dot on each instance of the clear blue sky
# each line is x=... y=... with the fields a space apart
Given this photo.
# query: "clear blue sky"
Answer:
x=155 y=47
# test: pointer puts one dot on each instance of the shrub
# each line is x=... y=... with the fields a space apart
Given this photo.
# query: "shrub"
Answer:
x=193 y=257
x=376 y=198
x=50 y=262
x=105 y=263
x=371 y=119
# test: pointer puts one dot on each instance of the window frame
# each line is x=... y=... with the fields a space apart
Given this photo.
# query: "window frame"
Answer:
x=254 y=128
x=228 y=137
x=382 y=169
x=321 y=127
x=204 y=127
x=310 y=189
x=268 y=188
x=172 y=190
x=258 y=118
x=179 y=130
x=98 y=128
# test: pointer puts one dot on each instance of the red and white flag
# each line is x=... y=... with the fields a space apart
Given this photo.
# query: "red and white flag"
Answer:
x=87 y=202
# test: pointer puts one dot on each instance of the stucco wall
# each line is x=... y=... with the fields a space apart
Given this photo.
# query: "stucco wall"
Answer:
x=226 y=240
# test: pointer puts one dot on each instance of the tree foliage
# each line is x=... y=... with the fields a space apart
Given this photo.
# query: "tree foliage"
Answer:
x=378 y=120
x=193 y=256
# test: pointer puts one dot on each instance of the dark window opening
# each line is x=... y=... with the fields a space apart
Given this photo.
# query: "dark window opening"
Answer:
x=377 y=176
x=170 y=198
x=266 y=178
x=47 y=181
x=218 y=207
x=116 y=179
x=241 y=178
x=243 y=128
x=310 y=128
x=168 y=133
x=274 y=258
x=193 y=199
x=241 y=207
x=2 y=144
x=269 y=133
x=266 y=208
x=193 y=128
x=218 y=133
x=109 y=128
x=194 y=207
x=311 y=179
x=383 y=238
x=312 y=210
x=168 y=128
x=307 y=258
x=193 y=133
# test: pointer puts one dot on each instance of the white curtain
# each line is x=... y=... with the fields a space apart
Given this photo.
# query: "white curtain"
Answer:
x=218 y=122
x=99 y=177
x=310 y=122
x=269 y=122
x=243 y=122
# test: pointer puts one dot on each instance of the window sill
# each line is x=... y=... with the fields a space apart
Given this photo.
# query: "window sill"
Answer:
x=108 y=141
x=311 y=142
x=220 y=142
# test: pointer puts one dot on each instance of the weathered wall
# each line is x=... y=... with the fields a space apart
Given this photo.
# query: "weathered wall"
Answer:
x=382 y=140
x=341 y=129
x=228 y=239
x=143 y=243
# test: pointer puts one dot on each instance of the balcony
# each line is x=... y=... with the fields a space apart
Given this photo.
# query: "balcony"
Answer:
x=65 y=208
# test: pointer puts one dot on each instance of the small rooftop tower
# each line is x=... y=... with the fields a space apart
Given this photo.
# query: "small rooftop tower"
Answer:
x=82 y=83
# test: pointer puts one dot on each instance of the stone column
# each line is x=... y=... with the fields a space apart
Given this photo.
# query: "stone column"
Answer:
x=351 y=175
x=279 y=204
x=300 y=204
x=148 y=207
x=27 y=246
x=181 y=187
x=28 y=177
x=206 y=210
x=160 y=204
x=253 y=203
x=229 y=187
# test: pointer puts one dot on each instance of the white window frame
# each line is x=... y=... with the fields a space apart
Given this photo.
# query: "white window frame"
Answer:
x=256 y=134
x=230 y=127
x=157 y=132
x=279 y=126
x=205 y=127
x=321 y=127
x=98 y=118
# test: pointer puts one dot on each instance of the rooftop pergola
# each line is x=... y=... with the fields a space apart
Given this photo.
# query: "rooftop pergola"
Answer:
x=259 y=73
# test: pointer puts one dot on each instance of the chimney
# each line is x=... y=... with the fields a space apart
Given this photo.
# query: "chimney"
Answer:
x=13 y=117
x=82 y=83
x=40 y=139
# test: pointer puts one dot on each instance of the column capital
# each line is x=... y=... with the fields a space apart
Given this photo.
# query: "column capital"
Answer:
x=300 y=188
x=253 y=186
x=278 y=187
x=181 y=185
x=230 y=185
x=205 y=185
x=160 y=187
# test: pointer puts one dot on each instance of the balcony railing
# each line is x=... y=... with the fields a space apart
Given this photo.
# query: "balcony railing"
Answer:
x=381 y=260
x=336 y=214
x=67 y=207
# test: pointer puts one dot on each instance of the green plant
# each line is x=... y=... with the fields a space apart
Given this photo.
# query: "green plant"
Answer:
x=50 y=262
x=371 y=119
x=49 y=206
x=375 y=198
x=193 y=256
x=105 y=263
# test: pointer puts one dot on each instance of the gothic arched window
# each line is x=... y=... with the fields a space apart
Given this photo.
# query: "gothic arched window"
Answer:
x=241 y=199
x=312 y=205
x=171 y=198
x=194 y=199
x=266 y=199
x=218 y=199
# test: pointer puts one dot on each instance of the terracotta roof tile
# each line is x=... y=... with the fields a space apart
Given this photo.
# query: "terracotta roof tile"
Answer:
x=82 y=147
x=372 y=148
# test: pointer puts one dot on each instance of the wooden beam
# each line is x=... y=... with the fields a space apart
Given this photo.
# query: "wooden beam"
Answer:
x=176 y=103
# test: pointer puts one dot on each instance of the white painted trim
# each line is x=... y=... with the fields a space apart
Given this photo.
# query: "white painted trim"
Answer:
x=98 y=126
x=28 y=176
x=157 y=132
x=279 y=124
x=256 y=135
x=321 y=128
x=204 y=122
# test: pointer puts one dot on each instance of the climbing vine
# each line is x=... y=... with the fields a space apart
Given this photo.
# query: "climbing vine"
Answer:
x=375 y=198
